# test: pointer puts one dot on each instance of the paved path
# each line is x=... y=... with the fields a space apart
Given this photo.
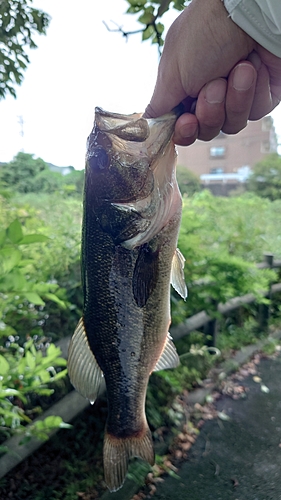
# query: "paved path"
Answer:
x=239 y=459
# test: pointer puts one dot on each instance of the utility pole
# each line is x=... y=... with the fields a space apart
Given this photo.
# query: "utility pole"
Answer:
x=21 y=124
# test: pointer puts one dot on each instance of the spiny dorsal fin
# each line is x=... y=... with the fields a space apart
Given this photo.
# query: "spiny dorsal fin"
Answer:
x=169 y=357
x=177 y=274
x=83 y=369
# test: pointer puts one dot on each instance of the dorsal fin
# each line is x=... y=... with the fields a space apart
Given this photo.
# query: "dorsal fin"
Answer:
x=83 y=369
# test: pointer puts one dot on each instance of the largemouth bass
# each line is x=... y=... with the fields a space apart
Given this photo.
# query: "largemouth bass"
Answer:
x=132 y=213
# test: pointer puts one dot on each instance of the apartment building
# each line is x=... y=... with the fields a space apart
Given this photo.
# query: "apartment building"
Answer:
x=228 y=159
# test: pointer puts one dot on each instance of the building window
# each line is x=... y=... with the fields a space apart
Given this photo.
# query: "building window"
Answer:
x=216 y=170
x=265 y=147
x=266 y=123
x=217 y=151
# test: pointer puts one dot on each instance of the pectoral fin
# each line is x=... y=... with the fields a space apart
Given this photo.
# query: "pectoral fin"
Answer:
x=145 y=274
x=177 y=274
x=83 y=369
x=169 y=357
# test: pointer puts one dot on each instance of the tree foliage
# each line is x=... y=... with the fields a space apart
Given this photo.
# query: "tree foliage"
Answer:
x=265 y=180
x=189 y=183
x=149 y=12
x=26 y=174
x=21 y=172
x=19 y=22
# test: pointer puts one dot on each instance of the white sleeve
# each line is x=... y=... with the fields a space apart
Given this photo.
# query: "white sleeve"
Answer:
x=261 y=19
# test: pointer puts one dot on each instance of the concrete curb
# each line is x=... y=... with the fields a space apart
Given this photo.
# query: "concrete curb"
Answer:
x=67 y=408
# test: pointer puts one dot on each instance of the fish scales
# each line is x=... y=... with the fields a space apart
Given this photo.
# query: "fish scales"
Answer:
x=129 y=241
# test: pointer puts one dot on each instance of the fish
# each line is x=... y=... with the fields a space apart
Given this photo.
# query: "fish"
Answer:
x=131 y=220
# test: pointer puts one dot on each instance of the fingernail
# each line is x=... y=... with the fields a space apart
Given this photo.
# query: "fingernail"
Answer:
x=215 y=91
x=243 y=77
x=188 y=130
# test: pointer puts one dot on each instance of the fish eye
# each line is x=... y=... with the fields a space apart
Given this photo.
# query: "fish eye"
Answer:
x=99 y=159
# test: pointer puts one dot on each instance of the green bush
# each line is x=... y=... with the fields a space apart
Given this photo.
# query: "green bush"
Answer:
x=221 y=239
x=24 y=369
x=265 y=180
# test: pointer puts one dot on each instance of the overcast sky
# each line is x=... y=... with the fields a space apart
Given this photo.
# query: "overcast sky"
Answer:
x=77 y=66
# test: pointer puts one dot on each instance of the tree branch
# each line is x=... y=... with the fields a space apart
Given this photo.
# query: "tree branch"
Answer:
x=126 y=34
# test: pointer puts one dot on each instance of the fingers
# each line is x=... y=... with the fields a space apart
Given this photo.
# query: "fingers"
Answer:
x=262 y=103
x=186 y=130
x=210 y=109
x=222 y=105
x=209 y=115
x=251 y=91
x=268 y=87
x=239 y=98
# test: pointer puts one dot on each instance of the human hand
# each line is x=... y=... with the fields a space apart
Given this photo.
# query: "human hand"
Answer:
x=232 y=78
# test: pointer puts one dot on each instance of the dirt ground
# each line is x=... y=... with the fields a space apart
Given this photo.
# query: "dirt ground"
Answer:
x=237 y=457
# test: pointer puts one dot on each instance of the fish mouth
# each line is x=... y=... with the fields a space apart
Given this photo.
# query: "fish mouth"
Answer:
x=143 y=136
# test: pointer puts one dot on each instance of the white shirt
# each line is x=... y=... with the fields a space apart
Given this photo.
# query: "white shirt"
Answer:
x=260 y=19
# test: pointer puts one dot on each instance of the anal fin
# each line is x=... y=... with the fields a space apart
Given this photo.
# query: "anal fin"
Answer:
x=83 y=369
x=169 y=357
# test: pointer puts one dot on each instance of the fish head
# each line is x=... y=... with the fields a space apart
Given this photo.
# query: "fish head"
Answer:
x=117 y=164
x=122 y=175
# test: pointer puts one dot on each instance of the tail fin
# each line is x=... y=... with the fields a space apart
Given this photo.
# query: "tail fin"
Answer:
x=118 y=451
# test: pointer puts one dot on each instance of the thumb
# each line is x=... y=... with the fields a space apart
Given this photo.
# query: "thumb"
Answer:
x=166 y=96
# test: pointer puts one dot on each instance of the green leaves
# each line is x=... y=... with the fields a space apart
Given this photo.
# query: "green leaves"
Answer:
x=19 y=23
x=150 y=12
x=4 y=365
x=221 y=239
x=148 y=33
x=14 y=231
x=34 y=298
x=135 y=6
x=42 y=428
x=265 y=180
x=9 y=258
x=15 y=234
x=33 y=238
x=13 y=268
x=29 y=295
x=180 y=4
x=23 y=372
x=27 y=174
x=147 y=16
